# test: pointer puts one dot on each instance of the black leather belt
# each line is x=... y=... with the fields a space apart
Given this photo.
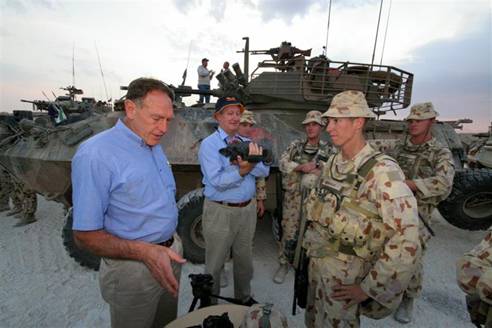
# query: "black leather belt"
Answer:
x=167 y=243
x=243 y=204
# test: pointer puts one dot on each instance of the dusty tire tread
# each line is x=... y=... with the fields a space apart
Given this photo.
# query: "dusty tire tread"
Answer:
x=466 y=182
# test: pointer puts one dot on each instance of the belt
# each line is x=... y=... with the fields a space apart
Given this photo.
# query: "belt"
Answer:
x=167 y=243
x=243 y=204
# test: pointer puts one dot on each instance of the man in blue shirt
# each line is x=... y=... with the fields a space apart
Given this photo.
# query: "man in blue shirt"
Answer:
x=125 y=209
x=229 y=209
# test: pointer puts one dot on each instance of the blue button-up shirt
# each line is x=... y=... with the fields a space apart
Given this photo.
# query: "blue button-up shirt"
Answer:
x=123 y=186
x=221 y=178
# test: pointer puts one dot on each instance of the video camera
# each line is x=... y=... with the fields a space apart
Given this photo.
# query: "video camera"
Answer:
x=242 y=149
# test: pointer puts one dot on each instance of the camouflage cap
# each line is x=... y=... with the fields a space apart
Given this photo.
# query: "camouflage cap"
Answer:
x=349 y=104
x=247 y=117
x=314 y=116
x=264 y=315
x=422 y=111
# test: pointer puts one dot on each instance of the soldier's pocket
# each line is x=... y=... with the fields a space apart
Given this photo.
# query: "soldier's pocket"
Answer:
x=320 y=207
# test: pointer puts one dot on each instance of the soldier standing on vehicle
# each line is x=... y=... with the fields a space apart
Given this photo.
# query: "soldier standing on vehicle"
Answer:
x=229 y=214
x=474 y=275
x=125 y=210
x=300 y=165
x=362 y=235
x=429 y=170
x=204 y=77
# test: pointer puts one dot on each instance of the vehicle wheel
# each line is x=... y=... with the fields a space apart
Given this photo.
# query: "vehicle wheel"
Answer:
x=470 y=204
x=83 y=257
x=190 y=208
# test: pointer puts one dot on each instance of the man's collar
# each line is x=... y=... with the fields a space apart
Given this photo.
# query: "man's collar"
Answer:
x=132 y=136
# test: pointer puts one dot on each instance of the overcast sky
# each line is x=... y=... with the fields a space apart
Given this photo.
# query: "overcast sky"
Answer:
x=447 y=44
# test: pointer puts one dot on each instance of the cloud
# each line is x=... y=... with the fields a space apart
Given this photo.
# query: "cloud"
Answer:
x=284 y=9
x=25 y=6
x=186 y=5
x=456 y=74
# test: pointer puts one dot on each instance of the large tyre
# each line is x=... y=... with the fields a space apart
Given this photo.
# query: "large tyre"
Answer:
x=470 y=204
x=190 y=208
x=83 y=257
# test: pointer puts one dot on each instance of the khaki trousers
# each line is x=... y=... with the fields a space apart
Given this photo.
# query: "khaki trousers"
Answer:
x=135 y=298
x=226 y=228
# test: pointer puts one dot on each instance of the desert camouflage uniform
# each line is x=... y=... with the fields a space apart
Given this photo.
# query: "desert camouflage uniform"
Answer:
x=261 y=189
x=298 y=152
x=362 y=230
x=430 y=166
x=368 y=237
x=6 y=189
x=26 y=200
x=474 y=275
x=248 y=117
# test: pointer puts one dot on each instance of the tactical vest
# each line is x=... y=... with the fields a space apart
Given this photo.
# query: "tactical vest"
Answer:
x=303 y=153
x=416 y=161
x=341 y=222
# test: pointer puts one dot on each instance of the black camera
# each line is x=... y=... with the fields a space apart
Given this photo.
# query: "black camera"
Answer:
x=242 y=149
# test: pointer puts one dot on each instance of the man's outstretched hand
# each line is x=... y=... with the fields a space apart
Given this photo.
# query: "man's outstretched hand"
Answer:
x=158 y=260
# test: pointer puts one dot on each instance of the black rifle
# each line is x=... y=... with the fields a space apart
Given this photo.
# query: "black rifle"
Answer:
x=301 y=263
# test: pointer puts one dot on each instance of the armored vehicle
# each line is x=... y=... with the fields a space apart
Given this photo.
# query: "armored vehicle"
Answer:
x=469 y=206
x=66 y=109
x=279 y=91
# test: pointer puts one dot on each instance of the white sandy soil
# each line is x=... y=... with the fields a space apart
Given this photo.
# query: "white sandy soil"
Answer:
x=41 y=286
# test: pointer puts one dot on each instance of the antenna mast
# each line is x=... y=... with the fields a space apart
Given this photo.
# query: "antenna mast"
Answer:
x=328 y=28
x=73 y=64
x=385 y=33
x=102 y=73
x=377 y=32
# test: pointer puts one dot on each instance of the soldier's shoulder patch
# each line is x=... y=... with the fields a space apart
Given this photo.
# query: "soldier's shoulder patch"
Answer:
x=391 y=181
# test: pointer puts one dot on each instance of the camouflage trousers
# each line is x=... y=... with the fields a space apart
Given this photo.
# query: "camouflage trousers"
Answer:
x=6 y=189
x=291 y=209
x=25 y=200
x=324 y=274
x=414 y=288
x=29 y=204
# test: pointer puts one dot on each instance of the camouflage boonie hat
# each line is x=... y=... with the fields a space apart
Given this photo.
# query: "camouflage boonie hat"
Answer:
x=422 y=111
x=314 y=116
x=247 y=117
x=349 y=104
x=264 y=315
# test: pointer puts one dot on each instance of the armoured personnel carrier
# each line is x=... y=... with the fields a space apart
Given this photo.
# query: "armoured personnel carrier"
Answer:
x=279 y=91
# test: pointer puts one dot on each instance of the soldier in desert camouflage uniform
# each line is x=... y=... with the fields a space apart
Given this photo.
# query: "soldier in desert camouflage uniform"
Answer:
x=300 y=165
x=25 y=204
x=6 y=189
x=245 y=126
x=429 y=170
x=362 y=236
x=474 y=275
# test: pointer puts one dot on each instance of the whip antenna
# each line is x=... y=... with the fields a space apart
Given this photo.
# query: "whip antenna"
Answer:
x=328 y=27
x=385 y=33
x=102 y=73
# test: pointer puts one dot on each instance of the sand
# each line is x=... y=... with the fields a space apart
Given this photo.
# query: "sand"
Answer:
x=41 y=286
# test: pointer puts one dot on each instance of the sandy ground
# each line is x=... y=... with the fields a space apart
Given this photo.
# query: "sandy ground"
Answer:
x=41 y=286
